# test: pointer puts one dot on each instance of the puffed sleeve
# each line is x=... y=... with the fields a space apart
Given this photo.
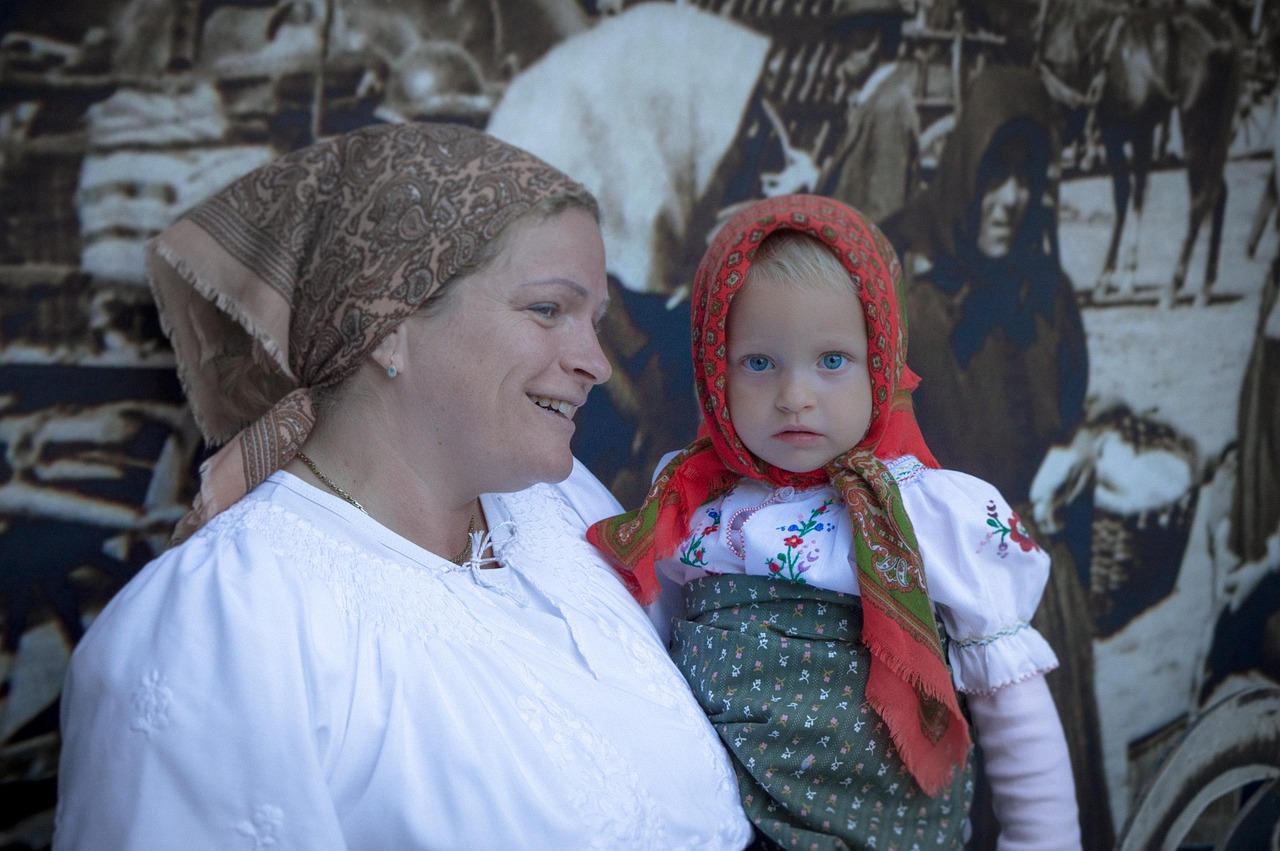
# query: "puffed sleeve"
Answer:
x=194 y=711
x=986 y=575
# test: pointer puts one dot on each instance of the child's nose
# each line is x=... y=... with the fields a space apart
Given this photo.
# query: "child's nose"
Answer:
x=794 y=395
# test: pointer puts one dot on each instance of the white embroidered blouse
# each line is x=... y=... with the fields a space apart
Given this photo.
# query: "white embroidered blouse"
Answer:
x=296 y=676
x=984 y=573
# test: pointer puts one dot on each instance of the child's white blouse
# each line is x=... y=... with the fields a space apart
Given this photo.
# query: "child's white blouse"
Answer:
x=984 y=573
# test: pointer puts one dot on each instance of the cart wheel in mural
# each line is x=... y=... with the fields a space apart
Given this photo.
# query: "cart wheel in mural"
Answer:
x=1234 y=747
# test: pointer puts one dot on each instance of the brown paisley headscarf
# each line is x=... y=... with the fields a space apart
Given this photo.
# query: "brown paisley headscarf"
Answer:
x=909 y=685
x=308 y=262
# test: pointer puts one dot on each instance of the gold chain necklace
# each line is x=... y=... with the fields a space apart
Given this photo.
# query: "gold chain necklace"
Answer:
x=329 y=483
x=460 y=559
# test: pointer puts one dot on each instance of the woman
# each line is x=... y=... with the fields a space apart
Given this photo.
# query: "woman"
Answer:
x=385 y=629
x=992 y=314
x=999 y=344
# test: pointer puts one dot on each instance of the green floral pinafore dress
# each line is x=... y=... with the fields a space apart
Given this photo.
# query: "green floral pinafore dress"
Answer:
x=780 y=669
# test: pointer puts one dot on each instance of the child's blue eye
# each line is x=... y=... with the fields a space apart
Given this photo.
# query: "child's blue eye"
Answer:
x=756 y=363
x=833 y=360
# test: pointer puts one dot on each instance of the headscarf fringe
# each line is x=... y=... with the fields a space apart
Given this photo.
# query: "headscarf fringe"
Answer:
x=206 y=289
x=933 y=765
x=919 y=755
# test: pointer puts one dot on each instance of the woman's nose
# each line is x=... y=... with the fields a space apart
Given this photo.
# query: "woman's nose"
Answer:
x=590 y=362
x=1007 y=192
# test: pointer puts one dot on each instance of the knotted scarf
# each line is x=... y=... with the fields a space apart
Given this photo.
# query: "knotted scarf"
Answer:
x=909 y=685
x=308 y=262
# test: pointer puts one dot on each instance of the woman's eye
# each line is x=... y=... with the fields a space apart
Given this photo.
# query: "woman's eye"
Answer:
x=756 y=363
x=833 y=360
x=548 y=311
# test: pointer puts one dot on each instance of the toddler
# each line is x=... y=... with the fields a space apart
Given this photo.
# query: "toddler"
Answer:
x=833 y=590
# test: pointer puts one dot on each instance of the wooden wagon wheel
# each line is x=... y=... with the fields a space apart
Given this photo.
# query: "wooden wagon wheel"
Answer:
x=1236 y=744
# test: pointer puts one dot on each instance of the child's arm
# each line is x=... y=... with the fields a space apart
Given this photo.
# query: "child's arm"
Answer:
x=1028 y=767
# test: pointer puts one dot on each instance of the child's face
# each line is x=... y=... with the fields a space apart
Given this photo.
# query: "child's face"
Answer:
x=798 y=387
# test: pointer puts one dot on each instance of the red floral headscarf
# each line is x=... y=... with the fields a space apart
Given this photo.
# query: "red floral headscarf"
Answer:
x=909 y=685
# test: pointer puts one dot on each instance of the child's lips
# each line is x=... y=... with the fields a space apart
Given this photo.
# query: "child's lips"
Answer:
x=797 y=436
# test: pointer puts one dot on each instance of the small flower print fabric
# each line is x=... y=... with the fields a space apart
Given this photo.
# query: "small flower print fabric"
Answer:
x=781 y=671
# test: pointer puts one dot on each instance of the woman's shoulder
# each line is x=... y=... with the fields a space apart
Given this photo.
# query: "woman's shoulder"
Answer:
x=566 y=507
x=224 y=588
x=238 y=547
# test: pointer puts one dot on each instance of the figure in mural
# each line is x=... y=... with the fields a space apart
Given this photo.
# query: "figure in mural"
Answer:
x=1246 y=635
x=1124 y=69
x=389 y=333
x=795 y=536
x=999 y=345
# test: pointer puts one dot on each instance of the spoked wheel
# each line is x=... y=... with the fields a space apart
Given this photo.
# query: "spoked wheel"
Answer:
x=1234 y=747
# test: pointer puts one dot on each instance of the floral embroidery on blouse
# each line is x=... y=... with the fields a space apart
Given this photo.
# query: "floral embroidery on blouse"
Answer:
x=152 y=700
x=797 y=555
x=693 y=553
x=1011 y=530
x=264 y=825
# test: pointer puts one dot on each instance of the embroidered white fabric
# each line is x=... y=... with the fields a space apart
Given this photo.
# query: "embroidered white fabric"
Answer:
x=983 y=574
x=298 y=677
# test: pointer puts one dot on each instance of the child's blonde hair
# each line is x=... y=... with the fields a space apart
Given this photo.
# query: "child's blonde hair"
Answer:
x=797 y=258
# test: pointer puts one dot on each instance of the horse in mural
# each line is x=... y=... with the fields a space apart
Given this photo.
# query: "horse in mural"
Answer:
x=1133 y=67
x=1157 y=60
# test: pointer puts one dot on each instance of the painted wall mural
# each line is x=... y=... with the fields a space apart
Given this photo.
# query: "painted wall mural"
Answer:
x=1114 y=367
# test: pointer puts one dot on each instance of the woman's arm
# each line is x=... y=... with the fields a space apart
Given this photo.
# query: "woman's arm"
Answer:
x=192 y=716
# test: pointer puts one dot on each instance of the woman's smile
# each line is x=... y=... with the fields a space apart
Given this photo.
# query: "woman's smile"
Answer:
x=557 y=406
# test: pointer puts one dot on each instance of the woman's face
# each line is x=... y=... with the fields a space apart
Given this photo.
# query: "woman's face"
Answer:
x=1005 y=188
x=1003 y=206
x=497 y=372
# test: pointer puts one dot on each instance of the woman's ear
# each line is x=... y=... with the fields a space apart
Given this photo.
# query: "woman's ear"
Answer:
x=391 y=353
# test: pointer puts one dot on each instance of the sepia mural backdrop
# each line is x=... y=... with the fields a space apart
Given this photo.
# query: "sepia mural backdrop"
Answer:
x=1139 y=435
